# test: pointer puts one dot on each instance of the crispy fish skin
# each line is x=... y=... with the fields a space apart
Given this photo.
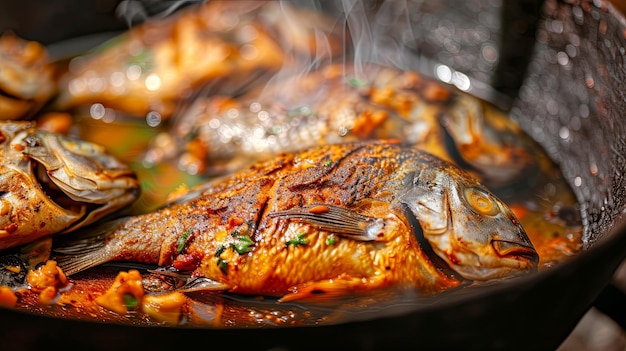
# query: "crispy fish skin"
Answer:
x=51 y=184
x=345 y=103
x=332 y=219
x=213 y=46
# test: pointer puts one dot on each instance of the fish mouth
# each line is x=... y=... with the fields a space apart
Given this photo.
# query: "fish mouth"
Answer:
x=510 y=249
x=56 y=195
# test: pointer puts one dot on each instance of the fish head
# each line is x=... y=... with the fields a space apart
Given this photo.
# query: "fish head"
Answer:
x=475 y=233
x=74 y=173
x=482 y=138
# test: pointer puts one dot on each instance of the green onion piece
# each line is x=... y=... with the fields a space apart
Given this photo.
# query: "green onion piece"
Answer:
x=130 y=301
x=142 y=59
x=328 y=163
x=243 y=243
x=298 y=240
x=355 y=82
x=182 y=239
x=223 y=265
x=331 y=240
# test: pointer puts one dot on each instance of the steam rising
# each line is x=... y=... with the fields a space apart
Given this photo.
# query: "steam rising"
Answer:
x=137 y=11
x=405 y=34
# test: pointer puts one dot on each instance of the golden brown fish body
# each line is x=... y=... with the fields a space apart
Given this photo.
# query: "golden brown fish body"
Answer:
x=333 y=219
x=346 y=103
x=50 y=183
x=27 y=77
x=216 y=45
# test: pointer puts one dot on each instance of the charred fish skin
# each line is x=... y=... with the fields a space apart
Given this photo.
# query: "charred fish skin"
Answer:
x=326 y=220
x=340 y=103
x=58 y=190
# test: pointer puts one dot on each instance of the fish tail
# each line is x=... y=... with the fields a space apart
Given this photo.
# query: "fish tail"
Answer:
x=74 y=264
x=86 y=248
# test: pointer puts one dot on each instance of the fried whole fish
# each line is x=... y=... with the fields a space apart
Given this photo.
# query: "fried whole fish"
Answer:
x=51 y=183
x=346 y=103
x=323 y=222
x=27 y=77
x=214 y=45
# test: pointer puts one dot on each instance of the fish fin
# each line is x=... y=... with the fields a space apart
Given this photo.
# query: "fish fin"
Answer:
x=203 y=284
x=337 y=220
x=328 y=289
x=189 y=283
x=86 y=239
x=74 y=264
x=36 y=252
x=84 y=248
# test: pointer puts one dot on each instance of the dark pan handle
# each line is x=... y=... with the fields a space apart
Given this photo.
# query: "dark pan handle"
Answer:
x=612 y=303
x=517 y=40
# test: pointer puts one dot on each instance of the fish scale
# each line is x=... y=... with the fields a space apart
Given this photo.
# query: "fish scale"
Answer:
x=265 y=230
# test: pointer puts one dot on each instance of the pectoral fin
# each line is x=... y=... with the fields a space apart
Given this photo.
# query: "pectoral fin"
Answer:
x=432 y=211
x=329 y=289
x=203 y=284
x=337 y=220
x=187 y=283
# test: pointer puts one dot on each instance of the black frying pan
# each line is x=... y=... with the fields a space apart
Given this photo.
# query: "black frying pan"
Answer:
x=572 y=105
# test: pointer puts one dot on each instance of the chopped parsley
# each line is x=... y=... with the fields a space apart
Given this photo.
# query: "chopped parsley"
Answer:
x=219 y=251
x=142 y=59
x=331 y=240
x=223 y=265
x=357 y=83
x=182 y=240
x=130 y=301
x=220 y=261
x=327 y=163
x=243 y=243
x=298 y=240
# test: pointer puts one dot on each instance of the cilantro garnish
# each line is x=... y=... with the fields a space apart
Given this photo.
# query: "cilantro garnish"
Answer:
x=130 y=301
x=223 y=265
x=355 y=82
x=331 y=240
x=243 y=243
x=298 y=240
x=220 y=261
x=182 y=240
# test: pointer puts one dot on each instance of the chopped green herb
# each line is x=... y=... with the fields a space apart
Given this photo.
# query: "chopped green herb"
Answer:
x=223 y=265
x=298 y=240
x=355 y=82
x=331 y=240
x=328 y=163
x=274 y=130
x=130 y=301
x=182 y=240
x=219 y=251
x=243 y=243
x=142 y=59
x=220 y=261
x=192 y=134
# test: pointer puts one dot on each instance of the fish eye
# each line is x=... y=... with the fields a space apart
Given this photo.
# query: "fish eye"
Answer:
x=33 y=141
x=481 y=201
